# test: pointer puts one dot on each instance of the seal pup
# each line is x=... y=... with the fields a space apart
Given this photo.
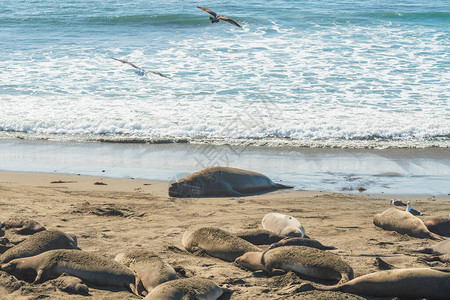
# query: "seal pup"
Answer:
x=216 y=18
x=40 y=242
x=298 y=241
x=87 y=266
x=440 y=248
x=403 y=283
x=150 y=268
x=223 y=182
x=23 y=226
x=403 y=222
x=299 y=259
x=216 y=242
x=283 y=225
x=412 y=210
x=397 y=202
x=187 y=289
x=439 y=226
x=141 y=72
x=71 y=285
x=259 y=236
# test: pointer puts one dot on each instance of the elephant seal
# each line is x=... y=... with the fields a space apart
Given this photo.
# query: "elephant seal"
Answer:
x=87 y=266
x=40 y=242
x=23 y=226
x=445 y=258
x=403 y=222
x=148 y=266
x=259 y=236
x=187 y=289
x=297 y=241
x=71 y=285
x=440 y=248
x=439 y=226
x=302 y=260
x=217 y=243
x=223 y=182
x=403 y=283
x=283 y=225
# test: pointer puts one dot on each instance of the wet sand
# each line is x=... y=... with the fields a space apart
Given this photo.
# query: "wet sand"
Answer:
x=136 y=213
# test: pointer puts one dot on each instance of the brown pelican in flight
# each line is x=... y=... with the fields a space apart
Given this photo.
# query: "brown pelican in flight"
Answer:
x=216 y=18
x=141 y=72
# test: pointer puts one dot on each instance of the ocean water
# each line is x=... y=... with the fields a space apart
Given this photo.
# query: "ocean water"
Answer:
x=302 y=73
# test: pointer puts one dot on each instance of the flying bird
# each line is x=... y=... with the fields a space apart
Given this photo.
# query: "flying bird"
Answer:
x=216 y=18
x=412 y=210
x=141 y=72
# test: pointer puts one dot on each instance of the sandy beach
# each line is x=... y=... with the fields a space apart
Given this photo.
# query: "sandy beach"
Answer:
x=123 y=214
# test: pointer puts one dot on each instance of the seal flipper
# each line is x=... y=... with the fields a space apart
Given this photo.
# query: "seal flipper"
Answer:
x=282 y=186
x=41 y=276
x=137 y=287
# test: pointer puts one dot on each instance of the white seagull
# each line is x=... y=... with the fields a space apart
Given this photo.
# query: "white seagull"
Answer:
x=141 y=72
x=412 y=210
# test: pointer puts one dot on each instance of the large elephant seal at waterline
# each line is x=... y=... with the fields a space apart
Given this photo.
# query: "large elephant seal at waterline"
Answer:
x=403 y=283
x=403 y=222
x=223 y=182
x=216 y=242
x=87 y=266
x=40 y=242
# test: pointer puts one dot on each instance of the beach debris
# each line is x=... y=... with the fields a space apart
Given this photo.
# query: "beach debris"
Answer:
x=397 y=202
x=63 y=181
x=100 y=183
x=141 y=71
x=412 y=210
x=361 y=189
x=216 y=18
x=382 y=265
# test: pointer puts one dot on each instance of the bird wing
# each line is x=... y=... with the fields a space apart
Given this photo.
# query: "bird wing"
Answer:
x=231 y=21
x=128 y=63
x=157 y=73
x=208 y=11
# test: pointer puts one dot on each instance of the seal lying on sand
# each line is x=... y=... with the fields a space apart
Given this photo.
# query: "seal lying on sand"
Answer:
x=297 y=241
x=216 y=242
x=187 y=289
x=23 y=226
x=445 y=258
x=259 y=236
x=40 y=242
x=71 y=285
x=439 y=226
x=403 y=222
x=223 y=182
x=403 y=283
x=436 y=249
x=302 y=260
x=148 y=266
x=283 y=225
x=84 y=265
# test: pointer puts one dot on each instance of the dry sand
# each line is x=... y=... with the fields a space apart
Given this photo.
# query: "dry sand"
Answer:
x=135 y=213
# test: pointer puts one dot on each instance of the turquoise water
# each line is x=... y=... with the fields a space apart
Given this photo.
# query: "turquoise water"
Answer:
x=302 y=73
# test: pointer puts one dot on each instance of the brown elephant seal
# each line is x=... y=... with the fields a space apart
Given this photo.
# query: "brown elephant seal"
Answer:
x=40 y=242
x=259 y=236
x=403 y=283
x=148 y=266
x=223 y=182
x=403 y=222
x=71 y=285
x=302 y=260
x=283 y=225
x=297 y=241
x=216 y=242
x=87 y=266
x=445 y=258
x=23 y=226
x=187 y=289
x=440 y=248
x=439 y=226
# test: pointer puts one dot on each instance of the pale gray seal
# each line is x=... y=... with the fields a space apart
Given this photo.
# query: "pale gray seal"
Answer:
x=302 y=260
x=187 y=289
x=23 y=226
x=148 y=266
x=216 y=18
x=40 y=242
x=439 y=226
x=87 y=266
x=298 y=241
x=403 y=283
x=222 y=182
x=403 y=222
x=216 y=242
x=259 y=236
x=283 y=225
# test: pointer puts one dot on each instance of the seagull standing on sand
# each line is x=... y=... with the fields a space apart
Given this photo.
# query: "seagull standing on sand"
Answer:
x=216 y=18
x=412 y=210
x=397 y=202
x=141 y=72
